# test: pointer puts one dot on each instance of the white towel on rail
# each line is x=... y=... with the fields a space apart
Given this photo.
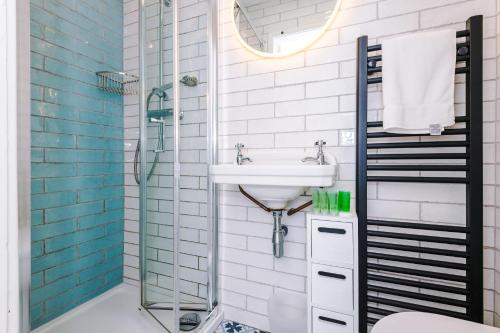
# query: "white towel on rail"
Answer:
x=418 y=82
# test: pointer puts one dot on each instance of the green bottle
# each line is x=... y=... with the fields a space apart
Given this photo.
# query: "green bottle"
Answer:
x=333 y=202
x=344 y=203
x=323 y=202
x=316 y=201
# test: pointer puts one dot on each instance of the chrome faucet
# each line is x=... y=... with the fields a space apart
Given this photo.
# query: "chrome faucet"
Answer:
x=240 y=159
x=320 y=157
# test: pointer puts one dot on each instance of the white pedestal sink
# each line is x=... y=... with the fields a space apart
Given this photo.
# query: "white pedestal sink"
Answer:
x=275 y=179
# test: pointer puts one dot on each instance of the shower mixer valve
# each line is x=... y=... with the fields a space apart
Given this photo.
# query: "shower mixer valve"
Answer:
x=161 y=135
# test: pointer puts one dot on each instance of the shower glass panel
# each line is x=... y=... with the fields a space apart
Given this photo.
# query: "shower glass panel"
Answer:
x=174 y=223
x=156 y=174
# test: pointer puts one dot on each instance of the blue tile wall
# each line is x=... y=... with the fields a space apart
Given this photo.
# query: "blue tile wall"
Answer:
x=77 y=154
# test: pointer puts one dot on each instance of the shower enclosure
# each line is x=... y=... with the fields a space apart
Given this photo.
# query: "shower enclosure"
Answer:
x=119 y=179
x=176 y=238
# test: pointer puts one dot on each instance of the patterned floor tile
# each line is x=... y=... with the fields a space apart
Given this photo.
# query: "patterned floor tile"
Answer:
x=228 y=326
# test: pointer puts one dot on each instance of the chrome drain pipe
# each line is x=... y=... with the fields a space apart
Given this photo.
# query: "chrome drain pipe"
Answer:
x=279 y=233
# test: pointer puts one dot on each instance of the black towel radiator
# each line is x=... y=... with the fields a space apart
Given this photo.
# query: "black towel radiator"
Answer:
x=451 y=283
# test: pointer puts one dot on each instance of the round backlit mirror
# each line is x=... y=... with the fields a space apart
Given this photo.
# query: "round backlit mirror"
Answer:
x=276 y=28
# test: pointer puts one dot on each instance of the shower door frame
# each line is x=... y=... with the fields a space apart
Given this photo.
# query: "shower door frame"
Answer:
x=19 y=225
x=212 y=154
x=11 y=312
x=143 y=157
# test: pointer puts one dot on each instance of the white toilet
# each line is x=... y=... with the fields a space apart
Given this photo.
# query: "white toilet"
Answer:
x=287 y=313
x=418 y=322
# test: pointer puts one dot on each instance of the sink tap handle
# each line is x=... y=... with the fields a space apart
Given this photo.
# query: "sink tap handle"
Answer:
x=320 y=156
x=239 y=146
x=320 y=143
x=239 y=157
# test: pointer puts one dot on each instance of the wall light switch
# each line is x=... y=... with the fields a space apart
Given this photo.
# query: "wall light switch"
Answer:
x=347 y=138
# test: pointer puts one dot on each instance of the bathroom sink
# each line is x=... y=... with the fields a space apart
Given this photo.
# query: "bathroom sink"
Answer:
x=275 y=179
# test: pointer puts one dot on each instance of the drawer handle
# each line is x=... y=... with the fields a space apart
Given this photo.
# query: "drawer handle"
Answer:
x=332 y=231
x=334 y=321
x=332 y=275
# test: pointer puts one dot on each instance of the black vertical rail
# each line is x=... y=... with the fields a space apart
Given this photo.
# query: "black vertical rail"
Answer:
x=474 y=109
x=361 y=178
x=474 y=194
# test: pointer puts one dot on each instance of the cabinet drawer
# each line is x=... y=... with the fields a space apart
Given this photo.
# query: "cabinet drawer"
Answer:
x=330 y=322
x=332 y=242
x=332 y=288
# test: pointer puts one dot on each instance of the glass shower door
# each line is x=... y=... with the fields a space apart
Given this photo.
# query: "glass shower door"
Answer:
x=157 y=164
x=176 y=239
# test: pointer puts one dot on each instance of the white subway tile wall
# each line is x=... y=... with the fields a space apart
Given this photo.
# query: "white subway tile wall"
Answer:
x=286 y=104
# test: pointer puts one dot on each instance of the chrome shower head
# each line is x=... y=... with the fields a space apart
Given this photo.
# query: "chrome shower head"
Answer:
x=190 y=81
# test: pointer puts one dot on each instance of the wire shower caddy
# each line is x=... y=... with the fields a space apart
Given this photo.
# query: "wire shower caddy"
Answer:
x=118 y=83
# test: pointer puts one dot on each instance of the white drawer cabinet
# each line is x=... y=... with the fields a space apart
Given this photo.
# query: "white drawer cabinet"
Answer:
x=332 y=242
x=332 y=283
x=330 y=322
x=332 y=288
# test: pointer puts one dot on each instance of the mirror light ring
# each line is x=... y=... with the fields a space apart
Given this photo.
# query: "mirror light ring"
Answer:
x=307 y=45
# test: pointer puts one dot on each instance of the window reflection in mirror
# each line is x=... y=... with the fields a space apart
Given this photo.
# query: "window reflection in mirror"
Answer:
x=282 y=27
